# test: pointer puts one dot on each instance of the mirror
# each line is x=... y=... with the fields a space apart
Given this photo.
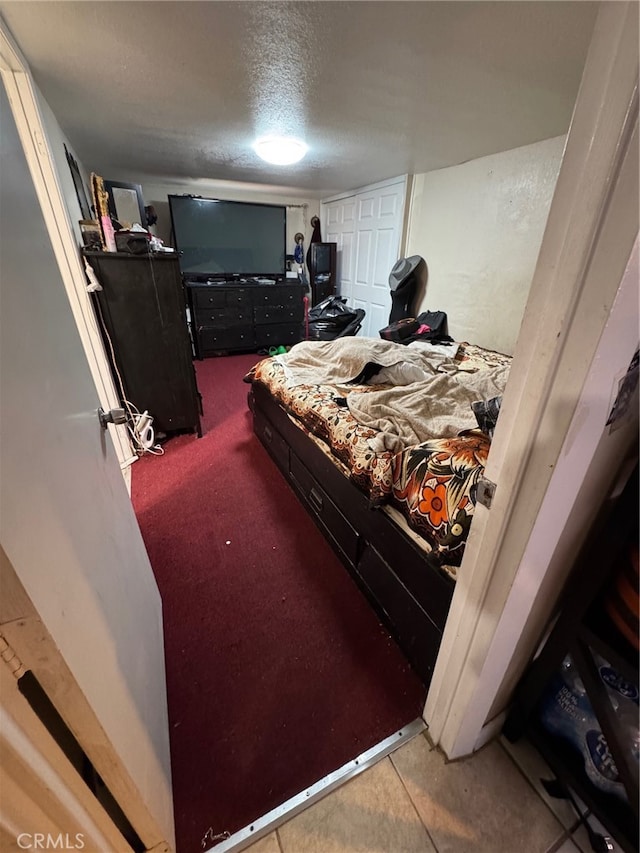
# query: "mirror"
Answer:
x=126 y=204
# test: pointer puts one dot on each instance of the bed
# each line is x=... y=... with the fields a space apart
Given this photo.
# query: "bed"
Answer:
x=381 y=444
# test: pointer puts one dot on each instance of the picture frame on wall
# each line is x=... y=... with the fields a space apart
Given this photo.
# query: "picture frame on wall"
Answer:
x=78 y=183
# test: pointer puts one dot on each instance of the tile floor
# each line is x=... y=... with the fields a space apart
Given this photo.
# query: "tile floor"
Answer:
x=412 y=802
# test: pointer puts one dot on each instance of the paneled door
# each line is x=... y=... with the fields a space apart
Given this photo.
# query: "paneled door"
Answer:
x=93 y=637
x=368 y=229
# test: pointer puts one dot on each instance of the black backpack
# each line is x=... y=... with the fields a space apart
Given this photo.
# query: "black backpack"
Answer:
x=428 y=326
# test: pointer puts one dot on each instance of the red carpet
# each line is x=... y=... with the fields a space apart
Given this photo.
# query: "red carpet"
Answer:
x=278 y=670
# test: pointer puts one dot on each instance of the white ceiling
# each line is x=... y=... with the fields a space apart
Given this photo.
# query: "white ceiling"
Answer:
x=376 y=89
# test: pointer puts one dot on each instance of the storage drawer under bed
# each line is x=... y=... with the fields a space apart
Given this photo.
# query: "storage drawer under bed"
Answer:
x=415 y=631
x=332 y=521
x=408 y=592
x=274 y=443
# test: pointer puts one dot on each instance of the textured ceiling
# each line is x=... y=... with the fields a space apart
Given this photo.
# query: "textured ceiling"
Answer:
x=376 y=89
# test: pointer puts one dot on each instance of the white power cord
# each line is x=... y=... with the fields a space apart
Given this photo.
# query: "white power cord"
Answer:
x=143 y=426
x=141 y=430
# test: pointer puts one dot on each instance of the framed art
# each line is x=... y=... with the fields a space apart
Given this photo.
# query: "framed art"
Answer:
x=78 y=183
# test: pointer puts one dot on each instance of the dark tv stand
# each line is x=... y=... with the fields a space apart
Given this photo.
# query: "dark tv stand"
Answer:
x=246 y=315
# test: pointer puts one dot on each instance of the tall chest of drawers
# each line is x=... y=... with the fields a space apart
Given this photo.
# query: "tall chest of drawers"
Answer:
x=246 y=316
x=142 y=317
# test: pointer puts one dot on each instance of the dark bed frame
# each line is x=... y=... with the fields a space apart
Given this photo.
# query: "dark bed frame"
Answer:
x=408 y=591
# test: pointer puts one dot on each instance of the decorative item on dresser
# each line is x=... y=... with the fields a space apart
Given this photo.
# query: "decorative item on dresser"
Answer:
x=142 y=317
x=244 y=316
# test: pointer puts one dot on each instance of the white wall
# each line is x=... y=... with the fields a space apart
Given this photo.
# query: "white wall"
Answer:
x=57 y=140
x=479 y=227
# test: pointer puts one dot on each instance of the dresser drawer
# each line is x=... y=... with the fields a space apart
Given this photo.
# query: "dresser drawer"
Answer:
x=278 y=335
x=277 y=314
x=324 y=510
x=270 y=294
x=223 y=317
x=221 y=297
x=238 y=337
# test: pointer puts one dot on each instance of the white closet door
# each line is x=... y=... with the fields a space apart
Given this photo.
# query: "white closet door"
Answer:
x=367 y=226
x=340 y=228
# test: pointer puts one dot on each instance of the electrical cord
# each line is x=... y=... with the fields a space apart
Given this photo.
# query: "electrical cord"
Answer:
x=142 y=432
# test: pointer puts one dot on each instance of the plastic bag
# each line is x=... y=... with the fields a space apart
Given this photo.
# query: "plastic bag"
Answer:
x=332 y=318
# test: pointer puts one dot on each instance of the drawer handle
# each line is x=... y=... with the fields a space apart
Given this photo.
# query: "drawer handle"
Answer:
x=315 y=498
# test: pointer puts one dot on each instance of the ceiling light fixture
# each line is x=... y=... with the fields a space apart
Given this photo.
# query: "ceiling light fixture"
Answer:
x=280 y=150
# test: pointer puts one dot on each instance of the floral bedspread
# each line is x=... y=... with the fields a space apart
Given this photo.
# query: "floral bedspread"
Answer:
x=432 y=484
x=315 y=406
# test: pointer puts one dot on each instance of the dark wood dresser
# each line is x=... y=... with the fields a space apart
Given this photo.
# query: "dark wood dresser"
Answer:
x=244 y=316
x=142 y=315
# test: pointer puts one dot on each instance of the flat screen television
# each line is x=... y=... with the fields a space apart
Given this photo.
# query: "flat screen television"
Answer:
x=229 y=239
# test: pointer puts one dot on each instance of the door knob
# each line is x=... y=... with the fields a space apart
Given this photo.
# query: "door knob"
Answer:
x=113 y=416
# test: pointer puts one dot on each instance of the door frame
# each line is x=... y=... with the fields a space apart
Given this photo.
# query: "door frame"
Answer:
x=592 y=224
x=22 y=95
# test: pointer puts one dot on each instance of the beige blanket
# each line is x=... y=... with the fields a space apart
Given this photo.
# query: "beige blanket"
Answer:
x=439 y=407
x=338 y=362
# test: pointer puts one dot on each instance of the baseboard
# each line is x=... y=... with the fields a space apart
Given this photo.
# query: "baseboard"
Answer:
x=490 y=730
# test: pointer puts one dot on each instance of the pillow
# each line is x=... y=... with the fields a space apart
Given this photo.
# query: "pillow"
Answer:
x=486 y=412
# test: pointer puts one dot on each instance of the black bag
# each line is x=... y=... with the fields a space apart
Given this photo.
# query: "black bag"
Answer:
x=428 y=326
x=435 y=320
x=432 y=327
x=332 y=318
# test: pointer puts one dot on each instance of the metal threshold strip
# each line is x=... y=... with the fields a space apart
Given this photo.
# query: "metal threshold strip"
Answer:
x=276 y=817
